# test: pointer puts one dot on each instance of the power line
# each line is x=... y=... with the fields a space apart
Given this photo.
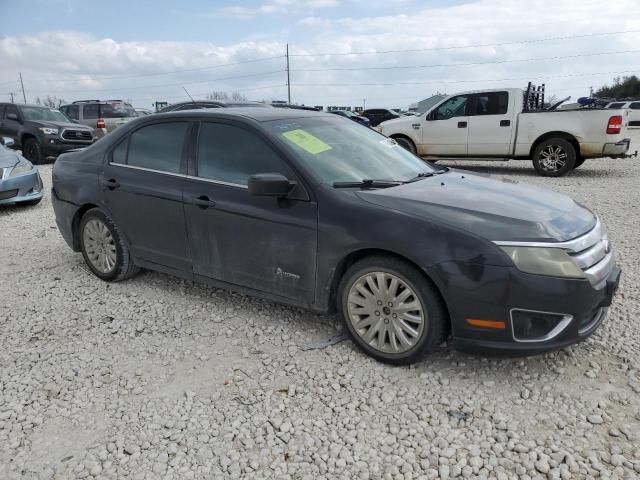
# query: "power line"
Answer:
x=169 y=84
x=491 y=62
x=478 y=45
x=264 y=87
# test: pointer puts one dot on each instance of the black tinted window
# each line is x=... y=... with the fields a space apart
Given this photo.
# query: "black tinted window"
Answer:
x=71 y=111
x=231 y=154
x=635 y=106
x=117 y=110
x=491 y=103
x=119 y=154
x=158 y=146
x=90 y=110
x=10 y=109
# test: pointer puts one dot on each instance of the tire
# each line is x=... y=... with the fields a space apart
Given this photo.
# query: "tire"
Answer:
x=406 y=144
x=554 y=157
x=32 y=151
x=362 y=316
x=103 y=247
x=579 y=161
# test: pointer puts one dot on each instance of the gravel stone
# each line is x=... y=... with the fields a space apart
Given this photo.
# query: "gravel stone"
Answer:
x=159 y=377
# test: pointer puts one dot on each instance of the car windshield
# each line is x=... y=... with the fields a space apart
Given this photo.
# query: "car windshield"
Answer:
x=44 y=113
x=342 y=151
x=117 y=110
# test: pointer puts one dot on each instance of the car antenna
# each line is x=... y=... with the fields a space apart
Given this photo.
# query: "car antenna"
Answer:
x=189 y=95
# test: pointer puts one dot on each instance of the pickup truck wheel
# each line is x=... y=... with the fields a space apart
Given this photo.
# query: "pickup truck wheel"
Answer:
x=406 y=144
x=32 y=151
x=554 y=157
x=579 y=162
x=391 y=310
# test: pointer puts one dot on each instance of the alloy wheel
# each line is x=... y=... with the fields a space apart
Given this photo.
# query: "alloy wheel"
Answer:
x=385 y=312
x=553 y=158
x=99 y=245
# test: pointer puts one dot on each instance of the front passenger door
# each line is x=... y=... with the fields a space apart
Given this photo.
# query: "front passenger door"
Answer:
x=262 y=243
x=444 y=129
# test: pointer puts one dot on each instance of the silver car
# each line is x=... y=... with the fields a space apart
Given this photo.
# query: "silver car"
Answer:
x=20 y=181
x=105 y=116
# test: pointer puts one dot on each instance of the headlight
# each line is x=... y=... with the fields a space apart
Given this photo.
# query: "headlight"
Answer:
x=20 y=168
x=553 y=262
x=48 y=131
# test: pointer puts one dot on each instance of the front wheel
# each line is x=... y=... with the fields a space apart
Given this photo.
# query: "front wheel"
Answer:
x=32 y=151
x=554 y=157
x=103 y=247
x=406 y=144
x=391 y=310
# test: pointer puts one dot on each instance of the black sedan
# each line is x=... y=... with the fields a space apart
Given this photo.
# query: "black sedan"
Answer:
x=312 y=210
x=351 y=116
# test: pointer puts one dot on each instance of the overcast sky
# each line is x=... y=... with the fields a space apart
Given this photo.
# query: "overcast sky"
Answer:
x=146 y=51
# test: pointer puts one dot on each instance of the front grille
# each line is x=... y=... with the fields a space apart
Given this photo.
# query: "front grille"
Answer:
x=8 y=194
x=77 y=135
x=593 y=254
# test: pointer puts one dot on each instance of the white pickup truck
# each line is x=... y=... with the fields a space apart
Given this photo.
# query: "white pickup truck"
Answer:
x=499 y=125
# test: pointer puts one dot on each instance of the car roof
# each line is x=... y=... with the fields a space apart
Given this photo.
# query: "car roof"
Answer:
x=257 y=114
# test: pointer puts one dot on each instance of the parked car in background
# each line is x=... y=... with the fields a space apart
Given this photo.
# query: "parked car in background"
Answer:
x=312 y=210
x=20 y=181
x=633 y=112
x=42 y=132
x=200 y=104
x=494 y=125
x=379 y=115
x=143 y=111
x=294 y=107
x=352 y=116
x=105 y=116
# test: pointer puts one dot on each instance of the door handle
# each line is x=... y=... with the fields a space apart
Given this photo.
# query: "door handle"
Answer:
x=416 y=126
x=111 y=183
x=505 y=123
x=203 y=202
x=462 y=124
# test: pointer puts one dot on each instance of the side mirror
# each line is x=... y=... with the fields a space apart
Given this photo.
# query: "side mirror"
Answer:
x=12 y=116
x=7 y=142
x=269 y=185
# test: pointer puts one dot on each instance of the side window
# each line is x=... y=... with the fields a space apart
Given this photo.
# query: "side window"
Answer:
x=119 y=154
x=158 y=147
x=11 y=109
x=90 y=110
x=454 y=107
x=1 y=112
x=491 y=103
x=231 y=154
x=71 y=111
x=635 y=106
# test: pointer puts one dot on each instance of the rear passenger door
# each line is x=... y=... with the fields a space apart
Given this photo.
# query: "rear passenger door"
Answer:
x=142 y=183
x=262 y=243
x=490 y=125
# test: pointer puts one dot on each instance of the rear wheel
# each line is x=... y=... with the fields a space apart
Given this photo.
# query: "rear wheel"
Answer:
x=391 y=310
x=406 y=144
x=104 y=249
x=579 y=162
x=32 y=151
x=554 y=157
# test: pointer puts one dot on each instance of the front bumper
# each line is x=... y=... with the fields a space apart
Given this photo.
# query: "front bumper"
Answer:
x=52 y=147
x=22 y=188
x=616 y=149
x=493 y=293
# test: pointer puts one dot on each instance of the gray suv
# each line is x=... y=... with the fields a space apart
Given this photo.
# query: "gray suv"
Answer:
x=105 y=116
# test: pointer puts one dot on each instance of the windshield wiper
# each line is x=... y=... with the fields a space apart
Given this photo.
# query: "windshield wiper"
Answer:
x=420 y=176
x=368 y=183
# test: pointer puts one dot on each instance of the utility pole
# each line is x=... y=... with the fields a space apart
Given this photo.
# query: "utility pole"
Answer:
x=24 y=95
x=288 y=78
x=11 y=94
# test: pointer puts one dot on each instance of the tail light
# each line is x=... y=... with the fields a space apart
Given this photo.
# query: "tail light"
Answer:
x=615 y=124
x=101 y=123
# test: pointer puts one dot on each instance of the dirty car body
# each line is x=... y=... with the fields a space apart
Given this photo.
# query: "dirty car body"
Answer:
x=518 y=268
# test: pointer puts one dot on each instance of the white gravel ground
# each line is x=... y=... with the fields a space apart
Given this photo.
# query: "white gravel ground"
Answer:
x=160 y=378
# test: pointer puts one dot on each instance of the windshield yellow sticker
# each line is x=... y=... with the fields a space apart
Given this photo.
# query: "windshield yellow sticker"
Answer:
x=306 y=141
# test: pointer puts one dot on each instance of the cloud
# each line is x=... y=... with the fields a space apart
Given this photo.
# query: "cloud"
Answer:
x=277 y=7
x=74 y=65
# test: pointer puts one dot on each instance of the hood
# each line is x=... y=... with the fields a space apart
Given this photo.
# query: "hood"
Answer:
x=59 y=125
x=407 y=119
x=8 y=158
x=493 y=208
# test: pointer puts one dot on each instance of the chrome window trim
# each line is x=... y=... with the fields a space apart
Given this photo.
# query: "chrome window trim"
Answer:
x=180 y=175
x=555 y=331
x=576 y=245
